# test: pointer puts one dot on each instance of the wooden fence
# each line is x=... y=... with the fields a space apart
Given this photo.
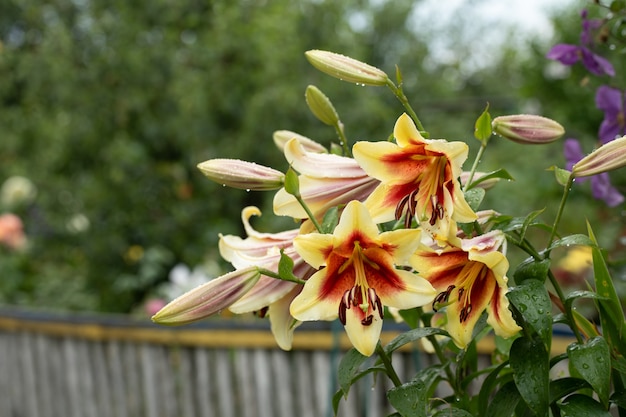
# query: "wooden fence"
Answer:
x=95 y=366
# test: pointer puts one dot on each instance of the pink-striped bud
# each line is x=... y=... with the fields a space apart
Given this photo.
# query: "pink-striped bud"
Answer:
x=527 y=129
x=209 y=298
x=346 y=68
x=242 y=174
x=610 y=156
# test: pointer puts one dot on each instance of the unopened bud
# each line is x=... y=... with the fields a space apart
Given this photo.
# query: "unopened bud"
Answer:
x=321 y=106
x=209 y=298
x=242 y=174
x=281 y=137
x=346 y=68
x=610 y=156
x=527 y=129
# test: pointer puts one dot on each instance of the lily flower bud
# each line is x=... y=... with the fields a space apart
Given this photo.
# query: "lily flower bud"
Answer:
x=281 y=137
x=346 y=68
x=527 y=129
x=208 y=299
x=610 y=156
x=242 y=174
x=321 y=106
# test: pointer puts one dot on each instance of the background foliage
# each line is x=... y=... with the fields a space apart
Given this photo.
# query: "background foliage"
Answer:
x=107 y=107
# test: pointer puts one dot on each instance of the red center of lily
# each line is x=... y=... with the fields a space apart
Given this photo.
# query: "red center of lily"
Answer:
x=361 y=295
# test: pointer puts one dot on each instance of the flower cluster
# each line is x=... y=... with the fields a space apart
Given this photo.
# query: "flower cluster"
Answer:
x=608 y=98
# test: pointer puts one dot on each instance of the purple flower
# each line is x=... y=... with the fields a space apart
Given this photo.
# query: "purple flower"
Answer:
x=568 y=54
x=601 y=187
x=589 y=26
x=612 y=102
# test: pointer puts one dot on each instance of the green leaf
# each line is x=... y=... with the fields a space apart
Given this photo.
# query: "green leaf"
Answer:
x=532 y=269
x=504 y=402
x=285 y=268
x=531 y=300
x=484 y=397
x=410 y=399
x=474 y=197
x=562 y=175
x=572 y=240
x=592 y=360
x=349 y=367
x=411 y=336
x=500 y=173
x=617 y=6
x=528 y=221
x=529 y=361
x=482 y=127
x=331 y=218
x=562 y=387
x=411 y=317
x=292 y=182
x=578 y=405
x=452 y=412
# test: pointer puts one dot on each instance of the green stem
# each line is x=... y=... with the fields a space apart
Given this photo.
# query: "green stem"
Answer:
x=559 y=213
x=479 y=156
x=397 y=91
x=386 y=360
x=342 y=138
x=309 y=213
x=273 y=274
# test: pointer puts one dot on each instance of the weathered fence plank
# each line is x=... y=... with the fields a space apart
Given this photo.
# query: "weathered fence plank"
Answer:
x=93 y=367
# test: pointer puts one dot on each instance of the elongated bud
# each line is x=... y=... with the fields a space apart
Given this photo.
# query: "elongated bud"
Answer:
x=321 y=106
x=209 y=298
x=242 y=174
x=281 y=137
x=527 y=129
x=610 y=156
x=346 y=68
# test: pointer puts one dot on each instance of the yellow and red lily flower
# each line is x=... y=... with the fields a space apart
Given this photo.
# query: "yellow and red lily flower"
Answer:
x=470 y=279
x=357 y=276
x=326 y=181
x=269 y=296
x=419 y=179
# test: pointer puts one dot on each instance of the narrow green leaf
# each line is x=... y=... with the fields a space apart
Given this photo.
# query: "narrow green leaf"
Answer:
x=562 y=387
x=592 y=360
x=452 y=412
x=484 y=397
x=411 y=336
x=482 y=127
x=504 y=402
x=500 y=173
x=532 y=301
x=530 y=364
x=572 y=240
x=528 y=221
x=532 y=269
x=410 y=399
x=349 y=367
x=578 y=405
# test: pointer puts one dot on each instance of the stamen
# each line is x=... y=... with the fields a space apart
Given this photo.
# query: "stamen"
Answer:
x=358 y=296
x=465 y=312
x=443 y=296
x=262 y=312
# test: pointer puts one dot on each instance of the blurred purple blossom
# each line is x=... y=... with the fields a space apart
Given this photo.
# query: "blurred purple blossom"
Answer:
x=601 y=187
x=568 y=54
x=612 y=102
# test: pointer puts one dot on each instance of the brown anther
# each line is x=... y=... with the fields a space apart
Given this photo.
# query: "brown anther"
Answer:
x=367 y=320
x=465 y=312
x=262 y=312
x=443 y=297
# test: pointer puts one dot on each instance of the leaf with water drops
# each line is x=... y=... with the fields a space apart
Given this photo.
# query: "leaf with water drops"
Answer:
x=531 y=300
x=532 y=269
x=504 y=402
x=579 y=405
x=592 y=360
x=530 y=362
x=410 y=399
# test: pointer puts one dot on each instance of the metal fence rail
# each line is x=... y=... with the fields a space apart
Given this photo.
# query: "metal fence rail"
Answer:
x=95 y=366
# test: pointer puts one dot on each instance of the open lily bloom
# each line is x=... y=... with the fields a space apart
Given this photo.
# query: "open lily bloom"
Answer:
x=269 y=295
x=469 y=279
x=419 y=179
x=358 y=276
x=326 y=181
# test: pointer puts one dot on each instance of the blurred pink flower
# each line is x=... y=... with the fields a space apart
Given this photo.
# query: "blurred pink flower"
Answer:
x=12 y=232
